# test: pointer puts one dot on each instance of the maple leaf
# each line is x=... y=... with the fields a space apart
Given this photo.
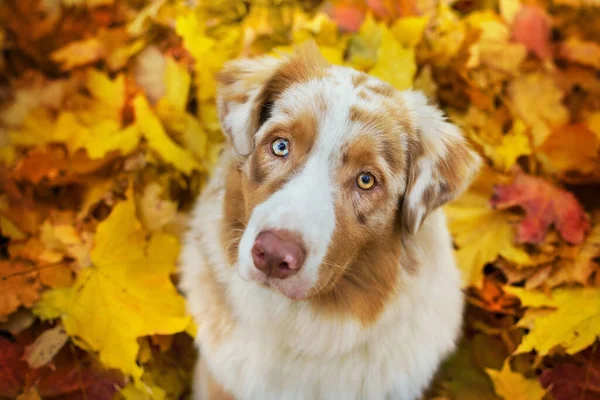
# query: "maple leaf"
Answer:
x=120 y=280
x=395 y=63
x=19 y=285
x=514 y=386
x=363 y=47
x=514 y=145
x=158 y=139
x=494 y=48
x=544 y=204
x=480 y=232
x=574 y=325
x=538 y=101
x=571 y=149
x=531 y=26
x=575 y=378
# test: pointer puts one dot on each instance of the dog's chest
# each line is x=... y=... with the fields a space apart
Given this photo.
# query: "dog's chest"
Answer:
x=258 y=369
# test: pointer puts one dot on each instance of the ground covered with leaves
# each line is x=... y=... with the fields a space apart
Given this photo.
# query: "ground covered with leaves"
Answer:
x=108 y=131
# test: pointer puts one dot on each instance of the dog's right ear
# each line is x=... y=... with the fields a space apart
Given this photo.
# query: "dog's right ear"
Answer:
x=248 y=88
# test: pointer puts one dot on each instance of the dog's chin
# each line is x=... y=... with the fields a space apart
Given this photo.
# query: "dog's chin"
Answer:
x=294 y=288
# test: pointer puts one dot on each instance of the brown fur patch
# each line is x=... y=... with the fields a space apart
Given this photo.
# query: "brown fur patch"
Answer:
x=359 y=79
x=362 y=286
x=382 y=89
x=305 y=64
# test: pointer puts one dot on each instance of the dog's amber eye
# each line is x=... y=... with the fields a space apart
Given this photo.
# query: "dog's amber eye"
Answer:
x=365 y=181
x=280 y=147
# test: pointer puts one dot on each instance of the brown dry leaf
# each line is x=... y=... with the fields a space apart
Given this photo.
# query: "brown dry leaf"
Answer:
x=19 y=286
x=45 y=347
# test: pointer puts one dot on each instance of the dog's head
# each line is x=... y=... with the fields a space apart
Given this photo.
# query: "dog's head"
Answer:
x=335 y=170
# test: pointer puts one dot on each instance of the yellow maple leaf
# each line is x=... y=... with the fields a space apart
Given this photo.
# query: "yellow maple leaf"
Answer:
x=363 y=47
x=115 y=301
x=514 y=145
x=191 y=27
x=446 y=35
x=494 y=49
x=480 y=232
x=513 y=386
x=159 y=141
x=177 y=85
x=574 y=325
x=395 y=64
x=409 y=30
x=538 y=101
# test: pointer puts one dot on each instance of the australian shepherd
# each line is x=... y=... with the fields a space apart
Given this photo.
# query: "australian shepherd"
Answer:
x=318 y=264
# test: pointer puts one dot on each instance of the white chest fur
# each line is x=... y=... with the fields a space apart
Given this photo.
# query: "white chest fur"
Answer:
x=279 y=349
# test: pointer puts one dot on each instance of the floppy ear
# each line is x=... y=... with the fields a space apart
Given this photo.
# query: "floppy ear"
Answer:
x=441 y=166
x=248 y=88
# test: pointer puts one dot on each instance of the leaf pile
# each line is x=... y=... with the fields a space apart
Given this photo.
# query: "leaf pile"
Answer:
x=109 y=130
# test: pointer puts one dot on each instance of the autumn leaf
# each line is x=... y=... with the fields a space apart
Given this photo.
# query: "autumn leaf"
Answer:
x=574 y=325
x=395 y=63
x=581 y=51
x=73 y=375
x=544 y=204
x=19 y=286
x=513 y=386
x=531 y=26
x=480 y=232
x=576 y=378
x=120 y=280
x=514 y=144
x=538 y=101
x=159 y=141
x=571 y=149
x=45 y=347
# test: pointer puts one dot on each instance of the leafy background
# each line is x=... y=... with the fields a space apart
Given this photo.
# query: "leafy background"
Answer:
x=108 y=131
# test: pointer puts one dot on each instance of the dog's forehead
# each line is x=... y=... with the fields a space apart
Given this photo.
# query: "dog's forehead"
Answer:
x=334 y=100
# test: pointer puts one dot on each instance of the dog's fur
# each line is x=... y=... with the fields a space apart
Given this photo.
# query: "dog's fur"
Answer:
x=377 y=305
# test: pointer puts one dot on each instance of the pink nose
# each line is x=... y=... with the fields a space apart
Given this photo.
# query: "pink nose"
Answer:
x=278 y=254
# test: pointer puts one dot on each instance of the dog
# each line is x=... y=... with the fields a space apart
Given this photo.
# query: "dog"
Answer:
x=318 y=263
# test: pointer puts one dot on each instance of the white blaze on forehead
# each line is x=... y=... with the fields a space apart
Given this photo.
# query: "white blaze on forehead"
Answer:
x=306 y=203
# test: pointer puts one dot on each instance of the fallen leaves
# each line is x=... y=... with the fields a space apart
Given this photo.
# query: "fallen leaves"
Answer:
x=108 y=131
x=71 y=375
x=512 y=385
x=573 y=326
x=121 y=281
x=575 y=378
x=544 y=204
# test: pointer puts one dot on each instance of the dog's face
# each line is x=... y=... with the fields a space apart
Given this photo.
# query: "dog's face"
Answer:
x=335 y=170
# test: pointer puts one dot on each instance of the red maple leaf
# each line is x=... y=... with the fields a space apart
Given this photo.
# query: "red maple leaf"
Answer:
x=544 y=204
x=577 y=378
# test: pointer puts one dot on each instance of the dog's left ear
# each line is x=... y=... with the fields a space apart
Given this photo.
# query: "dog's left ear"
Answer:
x=441 y=162
x=248 y=88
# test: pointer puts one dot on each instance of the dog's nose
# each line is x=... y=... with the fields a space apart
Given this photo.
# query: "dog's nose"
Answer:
x=278 y=254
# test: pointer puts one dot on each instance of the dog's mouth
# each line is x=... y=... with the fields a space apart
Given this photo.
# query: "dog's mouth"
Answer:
x=295 y=288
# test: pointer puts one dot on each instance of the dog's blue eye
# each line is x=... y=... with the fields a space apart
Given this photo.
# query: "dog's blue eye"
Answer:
x=281 y=147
